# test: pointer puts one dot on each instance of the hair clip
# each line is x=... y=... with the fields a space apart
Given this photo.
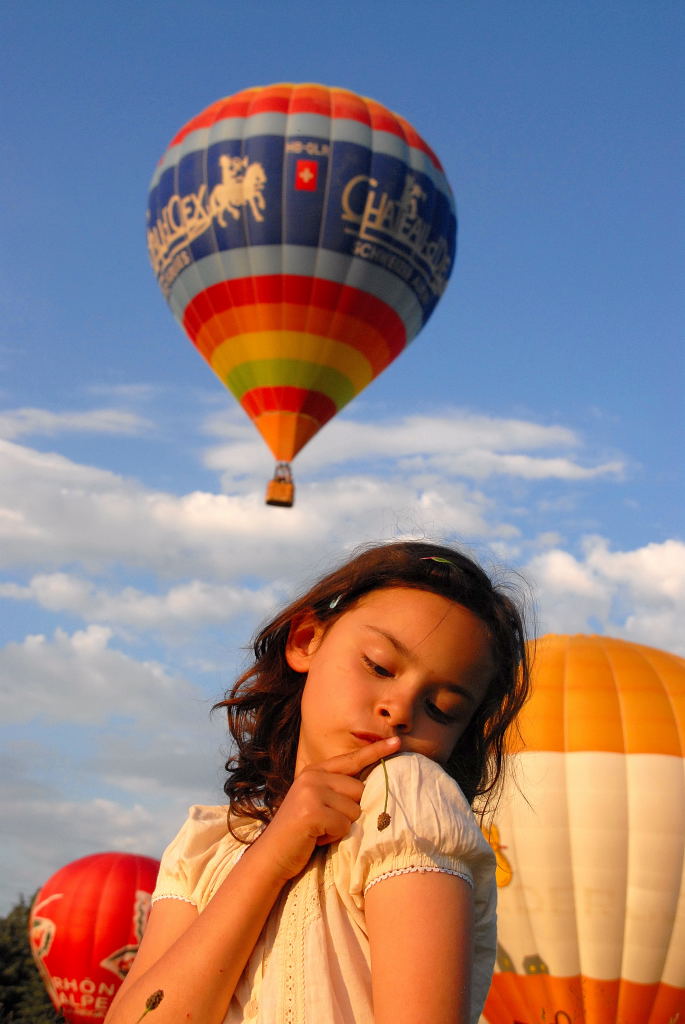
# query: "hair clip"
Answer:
x=437 y=558
x=335 y=601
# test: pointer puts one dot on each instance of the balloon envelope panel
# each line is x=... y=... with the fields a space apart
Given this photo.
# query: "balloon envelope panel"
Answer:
x=590 y=841
x=303 y=236
x=85 y=927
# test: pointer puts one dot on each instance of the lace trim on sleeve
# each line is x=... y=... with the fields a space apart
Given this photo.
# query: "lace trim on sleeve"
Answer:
x=172 y=896
x=419 y=867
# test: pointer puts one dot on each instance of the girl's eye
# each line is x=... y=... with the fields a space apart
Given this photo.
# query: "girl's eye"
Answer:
x=440 y=716
x=377 y=669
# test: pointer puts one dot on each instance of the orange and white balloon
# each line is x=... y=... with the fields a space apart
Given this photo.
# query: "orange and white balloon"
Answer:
x=590 y=841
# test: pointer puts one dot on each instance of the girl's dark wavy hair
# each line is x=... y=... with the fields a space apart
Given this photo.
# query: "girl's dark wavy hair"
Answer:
x=263 y=707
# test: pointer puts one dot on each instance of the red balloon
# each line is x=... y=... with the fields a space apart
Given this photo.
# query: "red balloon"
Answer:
x=85 y=927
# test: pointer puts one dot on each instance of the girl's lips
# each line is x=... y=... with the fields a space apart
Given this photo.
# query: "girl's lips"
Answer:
x=368 y=737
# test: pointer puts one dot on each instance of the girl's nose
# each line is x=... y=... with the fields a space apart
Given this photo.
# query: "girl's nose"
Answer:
x=398 y=713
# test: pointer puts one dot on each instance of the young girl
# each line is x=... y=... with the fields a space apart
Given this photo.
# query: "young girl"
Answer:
x=347 y=882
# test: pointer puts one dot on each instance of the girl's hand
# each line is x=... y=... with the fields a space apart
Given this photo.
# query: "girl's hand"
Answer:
x=319 y=808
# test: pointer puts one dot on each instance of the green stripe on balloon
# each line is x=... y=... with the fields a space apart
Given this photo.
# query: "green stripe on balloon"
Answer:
x=293 y=373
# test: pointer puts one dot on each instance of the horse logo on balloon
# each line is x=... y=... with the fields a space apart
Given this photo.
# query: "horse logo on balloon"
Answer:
x=242 y=184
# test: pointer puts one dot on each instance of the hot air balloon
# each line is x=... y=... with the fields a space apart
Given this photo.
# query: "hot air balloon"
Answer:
x=85 y=927
x=590 y=841
x=302 y=236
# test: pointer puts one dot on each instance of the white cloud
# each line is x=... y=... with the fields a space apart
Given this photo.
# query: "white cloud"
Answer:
x=479 y=464
x=105 y=753
x=187 y=605
x=416 y=432
x=57 y=512
x=42 y=422
x=655 y=572
x=638 y=595
x=456 y=442
x=567 y=594
x=78 y=678
x=50 y=830
x=54 y=511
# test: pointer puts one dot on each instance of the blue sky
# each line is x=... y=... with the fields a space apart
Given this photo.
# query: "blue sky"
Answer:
x=537 y=420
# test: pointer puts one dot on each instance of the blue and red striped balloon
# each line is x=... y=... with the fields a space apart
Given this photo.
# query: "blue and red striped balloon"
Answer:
x=302 y=235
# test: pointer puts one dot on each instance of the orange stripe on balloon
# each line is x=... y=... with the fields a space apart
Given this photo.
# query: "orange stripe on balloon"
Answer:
x=310 y=99
x=543 y=727
x=298 y=290
x=275 y=318
x=517 y=997
x=496 y=1006
x=650 y=701
x=287 y=417
x=274 y=99
x=286 y=432
x=592 y=715
x=524 y=998
x=363 y=305
x=349 y=105
x=307 y=98
x=599 y=693
x=668 y=1004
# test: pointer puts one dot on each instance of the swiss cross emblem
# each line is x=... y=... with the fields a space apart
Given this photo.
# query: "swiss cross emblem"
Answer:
x=306 y=175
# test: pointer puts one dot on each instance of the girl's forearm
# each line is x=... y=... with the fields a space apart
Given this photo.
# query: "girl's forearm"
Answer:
x=199 y=972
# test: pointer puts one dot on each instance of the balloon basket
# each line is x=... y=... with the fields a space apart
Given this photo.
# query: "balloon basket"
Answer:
x=281 y=490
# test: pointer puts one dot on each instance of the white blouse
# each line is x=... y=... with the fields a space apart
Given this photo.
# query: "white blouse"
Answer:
x=311 y=964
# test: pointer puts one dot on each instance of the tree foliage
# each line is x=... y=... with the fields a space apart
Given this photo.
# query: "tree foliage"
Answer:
x=23 y=999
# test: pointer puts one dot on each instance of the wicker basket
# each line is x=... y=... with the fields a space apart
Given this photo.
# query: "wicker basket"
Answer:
x=280 y=492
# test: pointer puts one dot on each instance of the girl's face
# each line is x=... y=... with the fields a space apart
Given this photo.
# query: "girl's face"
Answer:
x=400 y=662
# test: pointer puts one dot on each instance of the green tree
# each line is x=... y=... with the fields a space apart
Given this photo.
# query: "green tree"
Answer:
x=23 y=999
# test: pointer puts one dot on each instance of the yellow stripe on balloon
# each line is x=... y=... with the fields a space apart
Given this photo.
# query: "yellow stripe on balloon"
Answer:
x=288 y=316
x=311 y=349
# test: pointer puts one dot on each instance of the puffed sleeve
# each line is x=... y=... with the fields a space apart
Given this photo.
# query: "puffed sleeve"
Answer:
x=432 y=828
x=198 y=858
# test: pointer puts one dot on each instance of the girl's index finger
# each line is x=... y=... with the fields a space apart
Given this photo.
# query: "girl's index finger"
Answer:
x=357 y=760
